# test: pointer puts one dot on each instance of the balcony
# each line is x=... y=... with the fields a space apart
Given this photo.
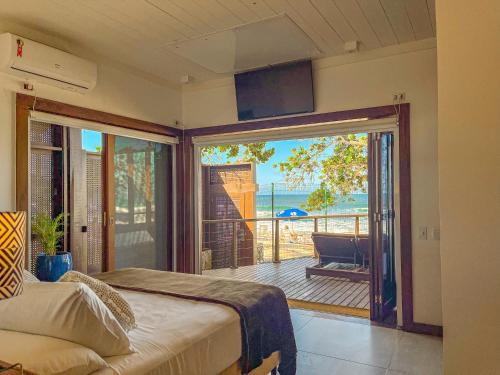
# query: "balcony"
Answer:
x=276 y=251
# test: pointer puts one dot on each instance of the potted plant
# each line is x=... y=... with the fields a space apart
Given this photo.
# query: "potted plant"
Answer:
x=51 y=264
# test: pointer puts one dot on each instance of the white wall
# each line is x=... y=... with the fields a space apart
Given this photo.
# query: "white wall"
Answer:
x=469 y=174
x=118 y=91
x=367 y=80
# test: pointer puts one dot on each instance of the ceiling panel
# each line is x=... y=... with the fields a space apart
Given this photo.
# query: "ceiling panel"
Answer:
x=431 y=6
x=130 y=19
x=271 y=41
x=185 y=16
x=319 y=23
x=331 y=13
x=374 y=13
x=140 y=33
x=260 y=8
x=282 y=6
x=242 y=11
x=211 y=12
x=395 y=11
x=353 y=13
x=418 y=13
x=149 y=19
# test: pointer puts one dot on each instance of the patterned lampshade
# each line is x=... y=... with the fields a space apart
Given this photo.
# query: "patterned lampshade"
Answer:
x=12 y=246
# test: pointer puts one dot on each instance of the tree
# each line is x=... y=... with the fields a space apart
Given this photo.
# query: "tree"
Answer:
x=340 y=163
x=248 y=152
x=319 y=198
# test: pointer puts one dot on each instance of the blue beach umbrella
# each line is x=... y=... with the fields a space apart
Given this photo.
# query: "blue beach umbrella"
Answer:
x=291 y=213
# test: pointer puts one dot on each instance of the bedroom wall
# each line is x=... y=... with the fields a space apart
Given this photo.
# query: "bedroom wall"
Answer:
x=469 y=173
x=366 y=80
x=118 y=91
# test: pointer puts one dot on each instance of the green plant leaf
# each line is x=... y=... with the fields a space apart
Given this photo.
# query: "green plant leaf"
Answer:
x=47 y=231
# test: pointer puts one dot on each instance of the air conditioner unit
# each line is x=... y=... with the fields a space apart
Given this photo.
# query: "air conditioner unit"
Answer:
x=33 y=61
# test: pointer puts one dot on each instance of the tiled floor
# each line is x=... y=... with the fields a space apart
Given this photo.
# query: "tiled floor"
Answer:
x=337 y=345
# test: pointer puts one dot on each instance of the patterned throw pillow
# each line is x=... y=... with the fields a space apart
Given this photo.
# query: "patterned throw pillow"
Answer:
x=111 y=298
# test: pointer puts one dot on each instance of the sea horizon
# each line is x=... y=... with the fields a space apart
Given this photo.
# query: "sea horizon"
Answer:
x=356 y=203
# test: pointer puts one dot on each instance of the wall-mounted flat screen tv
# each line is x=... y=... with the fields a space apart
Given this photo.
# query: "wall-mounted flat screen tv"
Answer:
x=278 y=90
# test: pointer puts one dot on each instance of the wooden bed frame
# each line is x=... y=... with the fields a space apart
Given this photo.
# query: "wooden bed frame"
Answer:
x=14 y=371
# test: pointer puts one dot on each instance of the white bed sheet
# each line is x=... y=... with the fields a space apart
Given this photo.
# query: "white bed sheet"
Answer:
x=178 y=336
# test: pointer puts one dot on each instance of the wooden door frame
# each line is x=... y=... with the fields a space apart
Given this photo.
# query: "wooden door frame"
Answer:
x=187 y=255
x=25 y=104
x=108 y=180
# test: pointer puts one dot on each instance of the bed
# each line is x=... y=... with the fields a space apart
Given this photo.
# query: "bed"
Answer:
x=174 y=336
x=206 y=337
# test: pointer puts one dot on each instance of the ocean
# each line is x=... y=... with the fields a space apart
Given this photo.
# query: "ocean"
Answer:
x=353 y=204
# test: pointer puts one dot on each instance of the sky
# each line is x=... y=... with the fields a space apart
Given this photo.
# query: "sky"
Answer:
x=91 y=140
x=266 y=173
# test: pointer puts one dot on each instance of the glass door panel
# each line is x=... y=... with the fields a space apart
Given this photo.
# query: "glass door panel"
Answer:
x=142 y=204
x=381 y=188
x=388 y=277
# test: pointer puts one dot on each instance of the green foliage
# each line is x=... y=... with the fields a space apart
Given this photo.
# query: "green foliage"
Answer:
x=249 y=152
x=340 y=163
x=317 y=200
x=47 y=231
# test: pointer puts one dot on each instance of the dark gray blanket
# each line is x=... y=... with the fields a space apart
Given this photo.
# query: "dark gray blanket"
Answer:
x=266 y=325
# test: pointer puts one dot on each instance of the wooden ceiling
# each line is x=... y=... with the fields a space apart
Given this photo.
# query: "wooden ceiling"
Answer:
x=138 y=32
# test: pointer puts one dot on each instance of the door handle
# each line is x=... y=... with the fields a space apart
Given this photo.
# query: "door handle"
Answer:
x=108 y=220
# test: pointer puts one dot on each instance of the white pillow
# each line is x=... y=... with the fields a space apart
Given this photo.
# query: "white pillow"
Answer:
x=45 y=355
x=68 y=311
x=28 y=277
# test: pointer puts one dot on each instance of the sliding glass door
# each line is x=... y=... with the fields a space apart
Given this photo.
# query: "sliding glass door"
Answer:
x=139 y=194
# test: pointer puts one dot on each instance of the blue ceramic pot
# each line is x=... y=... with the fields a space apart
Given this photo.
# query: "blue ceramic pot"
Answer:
x=52 y=267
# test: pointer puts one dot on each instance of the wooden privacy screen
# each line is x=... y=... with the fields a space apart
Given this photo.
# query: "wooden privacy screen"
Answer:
x=228 y=193
x=47 y=175
x=66 y=179
x=94 y=212
x=85 y=194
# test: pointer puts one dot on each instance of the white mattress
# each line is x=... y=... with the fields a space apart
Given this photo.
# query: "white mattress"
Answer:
x=177 y=336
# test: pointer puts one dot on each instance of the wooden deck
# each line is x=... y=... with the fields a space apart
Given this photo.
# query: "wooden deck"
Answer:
x=290 y=275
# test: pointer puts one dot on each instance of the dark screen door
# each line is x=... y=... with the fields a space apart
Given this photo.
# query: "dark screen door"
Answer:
x=382 y=214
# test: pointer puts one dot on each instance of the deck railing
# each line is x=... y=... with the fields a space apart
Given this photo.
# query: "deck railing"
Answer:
x=234 y=226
